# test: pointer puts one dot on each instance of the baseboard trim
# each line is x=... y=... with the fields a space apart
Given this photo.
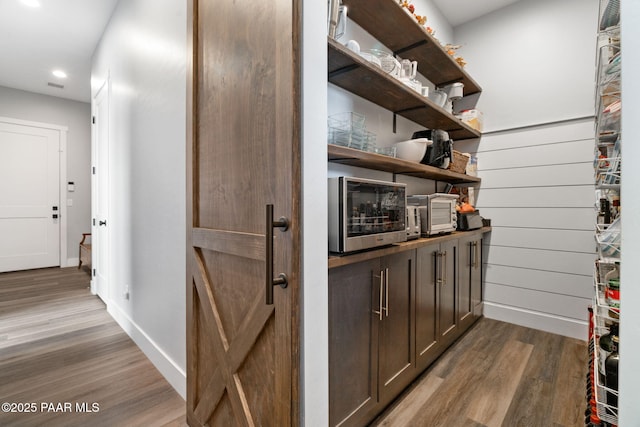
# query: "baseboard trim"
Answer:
x=533 y=319
x=175 y=375
x=72 y=262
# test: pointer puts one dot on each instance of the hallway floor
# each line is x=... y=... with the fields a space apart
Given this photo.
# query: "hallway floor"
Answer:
x=59 y=346
x=498 y=374
x=65 y=362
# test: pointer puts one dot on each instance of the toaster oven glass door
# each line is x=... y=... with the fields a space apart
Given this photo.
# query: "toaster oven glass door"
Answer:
x=441 y=213
x=374 y=208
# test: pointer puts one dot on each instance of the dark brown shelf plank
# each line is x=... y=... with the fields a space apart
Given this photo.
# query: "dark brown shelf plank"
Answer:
x=356 y=75
x=363 y=159
x=388 y=22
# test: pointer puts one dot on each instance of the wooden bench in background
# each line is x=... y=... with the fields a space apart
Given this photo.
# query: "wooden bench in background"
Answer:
x=84 y=250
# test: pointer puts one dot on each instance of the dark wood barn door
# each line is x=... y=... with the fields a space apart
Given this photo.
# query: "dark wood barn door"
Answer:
x=244 y=155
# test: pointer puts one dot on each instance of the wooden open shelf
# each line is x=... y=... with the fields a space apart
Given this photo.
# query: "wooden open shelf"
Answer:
x=387 y=21
x=351 y=72
x=364 y=159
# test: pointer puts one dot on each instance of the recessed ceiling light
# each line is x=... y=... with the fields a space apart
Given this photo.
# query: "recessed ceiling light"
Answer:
x=59 y=73
x=31 y=3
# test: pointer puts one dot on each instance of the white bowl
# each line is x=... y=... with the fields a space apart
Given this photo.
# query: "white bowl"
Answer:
x=413 y=149
x=439 y=97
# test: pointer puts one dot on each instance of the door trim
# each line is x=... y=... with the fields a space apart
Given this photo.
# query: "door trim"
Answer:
x=62 y=188
x=106 y=85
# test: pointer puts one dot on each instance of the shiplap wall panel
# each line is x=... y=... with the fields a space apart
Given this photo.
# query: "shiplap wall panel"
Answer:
x=547 y=281
x=539 y=136
x=537 y=189
x=539 y=176
x=553 y=154
x=544 y=302
x=539 y=197
x=542 y=259
x=552 y=218
x=536 y=238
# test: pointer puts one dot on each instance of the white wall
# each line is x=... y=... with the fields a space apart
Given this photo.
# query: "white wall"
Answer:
x=143 y=52
x=629 y=414
x=535 y=61
x=75 y=115
x=537 y=188
x=315 y=313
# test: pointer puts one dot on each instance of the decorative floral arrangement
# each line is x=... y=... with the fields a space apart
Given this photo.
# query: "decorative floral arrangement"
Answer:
x=422 y=20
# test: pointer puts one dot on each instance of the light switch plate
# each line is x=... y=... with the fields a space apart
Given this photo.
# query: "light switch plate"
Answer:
x=69 y=202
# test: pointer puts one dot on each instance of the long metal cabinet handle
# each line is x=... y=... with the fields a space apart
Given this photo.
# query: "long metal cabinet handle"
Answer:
x=472 y=257
x=477 y=254
x=444 y=267
x=472 y=245
x=438 y=256
x=381 y=293
x=281 y=280
x=386 y=291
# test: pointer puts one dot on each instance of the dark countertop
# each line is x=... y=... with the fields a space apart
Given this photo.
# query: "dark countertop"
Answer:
x=339 y=261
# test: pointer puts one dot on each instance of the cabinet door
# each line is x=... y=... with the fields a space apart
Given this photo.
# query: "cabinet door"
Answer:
x=425 y=305
x=475 y=278
x=354 y=295
x=465 y=265
x=396 y=351
x=447 y=301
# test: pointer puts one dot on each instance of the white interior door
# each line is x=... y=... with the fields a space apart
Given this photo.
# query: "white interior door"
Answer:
x=29 y=197
x=100 y=233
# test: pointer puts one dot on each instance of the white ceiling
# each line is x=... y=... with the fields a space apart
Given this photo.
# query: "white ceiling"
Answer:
x=64 y=33
x=460 y=11
x=59 y=34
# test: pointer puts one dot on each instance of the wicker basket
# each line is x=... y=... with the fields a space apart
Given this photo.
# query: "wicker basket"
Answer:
x=460 y=162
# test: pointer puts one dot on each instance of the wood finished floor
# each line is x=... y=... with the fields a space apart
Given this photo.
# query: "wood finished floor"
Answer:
x=58 y=344
x=498 y=374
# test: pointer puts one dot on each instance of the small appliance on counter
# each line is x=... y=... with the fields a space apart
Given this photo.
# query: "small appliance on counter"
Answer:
x=469 y=220
x=439 y=152
x=454 y=91
x=413 y=223
x=437 y=212
x=365 y=213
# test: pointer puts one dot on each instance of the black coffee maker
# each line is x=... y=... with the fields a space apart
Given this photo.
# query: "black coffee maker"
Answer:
x=440 y=152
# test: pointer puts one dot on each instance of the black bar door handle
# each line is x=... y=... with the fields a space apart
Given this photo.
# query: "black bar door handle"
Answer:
x=102 y=222
x=270 y=281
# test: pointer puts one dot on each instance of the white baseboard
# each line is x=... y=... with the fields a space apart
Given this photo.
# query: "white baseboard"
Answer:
x=533 y=319
x=72 y=262
x=175 y=375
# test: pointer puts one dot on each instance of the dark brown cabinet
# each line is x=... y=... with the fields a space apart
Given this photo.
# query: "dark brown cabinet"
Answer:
x=447 y=301
x=353 y=332
x=395 y=344
x=436 y=300
x=371 y=353
x=426 y=305
x=470 y=278
x=393 y=312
